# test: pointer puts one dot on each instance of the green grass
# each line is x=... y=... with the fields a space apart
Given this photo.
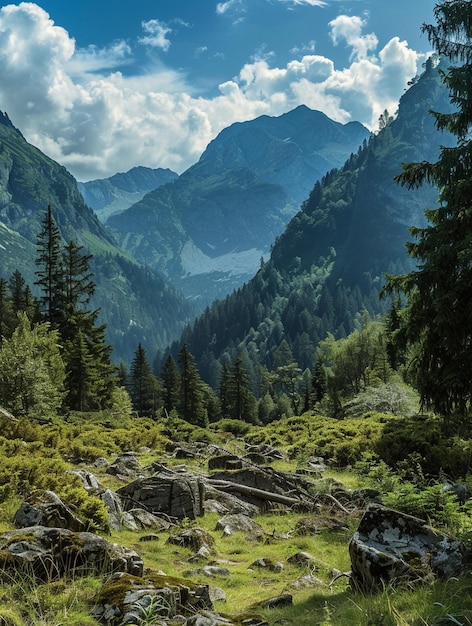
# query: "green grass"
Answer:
x=331 y=603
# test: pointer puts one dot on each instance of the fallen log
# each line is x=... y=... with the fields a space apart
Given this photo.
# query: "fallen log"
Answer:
x=270 y=496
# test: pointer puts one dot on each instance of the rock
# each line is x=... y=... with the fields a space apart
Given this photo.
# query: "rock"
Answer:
x=145 y=520
x=230 y=524
x=115 y=508
x=264 y=563
x=283 y=600
x=89 y=481
x=392 y=547
x=224 y=462
x=176 y=496
x=208 y=570
x=227 y=503
x=125 y=599
x=49 y=553
x=302 y=559
x=217 y=594
x=306 y=582
x=126 y=465
x=47 y=509
x=195 y=539
x=306 y=526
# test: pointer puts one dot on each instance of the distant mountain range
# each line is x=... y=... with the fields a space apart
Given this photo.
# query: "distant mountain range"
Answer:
x=330 y=263
x=108 y=196
x=207 y=230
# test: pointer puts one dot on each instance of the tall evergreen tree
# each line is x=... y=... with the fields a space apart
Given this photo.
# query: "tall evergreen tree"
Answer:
x=242 y=403
x=83 y=339
x=49 y=270
x=142 y=384
x=437 y=319
x=171 y=380
x=191 y=407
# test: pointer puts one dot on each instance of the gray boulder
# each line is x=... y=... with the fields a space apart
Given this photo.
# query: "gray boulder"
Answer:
x=126 y=465
x=50 y=553
x=125 y=599
x=392 y=547
x=230 y=524
x=175 y=496
x=47 y=509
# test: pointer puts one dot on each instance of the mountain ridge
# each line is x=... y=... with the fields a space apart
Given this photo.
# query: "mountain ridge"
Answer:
x=235 y=200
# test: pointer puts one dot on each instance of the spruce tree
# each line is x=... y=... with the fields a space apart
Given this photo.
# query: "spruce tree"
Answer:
x=49 y=270
x=191 y=406
x=171 y=380
x=142 y=384
x=436 y=323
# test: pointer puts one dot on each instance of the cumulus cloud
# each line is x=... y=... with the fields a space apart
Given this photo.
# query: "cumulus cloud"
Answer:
x=156 y=36
x=78 y=108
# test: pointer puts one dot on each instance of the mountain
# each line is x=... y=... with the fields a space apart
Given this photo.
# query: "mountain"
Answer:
x=208 y=230
x=137 y=304
x=107 y=196
x=330 y=262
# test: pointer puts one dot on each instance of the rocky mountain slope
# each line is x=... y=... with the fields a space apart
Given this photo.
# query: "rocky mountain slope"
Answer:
x=136 y=304
x=108 y=196
x=208 y=230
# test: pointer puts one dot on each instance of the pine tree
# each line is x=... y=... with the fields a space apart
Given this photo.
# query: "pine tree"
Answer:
x=242 y=404
x=171 y=380
x=83 y=337
x=49 y=270
x=191 y=406
x=142 y=384
x=437 y=320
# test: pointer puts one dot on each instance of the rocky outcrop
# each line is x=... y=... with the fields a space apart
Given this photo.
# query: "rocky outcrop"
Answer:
x=391 y=547
x=50 y=553
x=124 y=599
x=47 y=509
x=175 y=496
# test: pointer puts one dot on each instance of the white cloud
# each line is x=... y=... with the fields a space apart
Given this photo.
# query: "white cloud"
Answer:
x=228 y=6
x=311 y=3
x=349 y=29
x=156 y=34
x=74 y=105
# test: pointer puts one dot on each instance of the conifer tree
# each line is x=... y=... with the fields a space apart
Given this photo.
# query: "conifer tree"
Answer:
x=437 y=320
x=171 y=381
x=49 y=270
x=86 y=352
x=191 y=406
x=142 y=384
x=242 y=403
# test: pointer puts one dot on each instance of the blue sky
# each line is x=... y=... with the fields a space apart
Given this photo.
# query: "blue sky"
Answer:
x=104 y=85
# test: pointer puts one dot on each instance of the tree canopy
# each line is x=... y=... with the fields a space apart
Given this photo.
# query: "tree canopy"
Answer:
x=436 y=323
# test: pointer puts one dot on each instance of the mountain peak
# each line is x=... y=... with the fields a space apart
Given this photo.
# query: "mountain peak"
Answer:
x=6 y=121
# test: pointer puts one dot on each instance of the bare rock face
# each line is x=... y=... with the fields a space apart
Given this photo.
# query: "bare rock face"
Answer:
x=391 y=547
x=176 y=496
x=50 y=553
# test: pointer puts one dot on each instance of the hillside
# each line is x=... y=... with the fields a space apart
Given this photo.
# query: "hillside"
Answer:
x=330 y=262
x=131 y=299
x=208 y=230
x=117 y=193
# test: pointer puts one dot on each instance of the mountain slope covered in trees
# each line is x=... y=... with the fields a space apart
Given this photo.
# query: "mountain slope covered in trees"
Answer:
x=135 y=303
x=208 y=230
x=330 y=262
